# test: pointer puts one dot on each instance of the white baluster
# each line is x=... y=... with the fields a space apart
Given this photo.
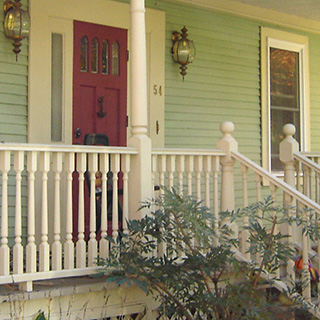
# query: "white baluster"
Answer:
x=306 y=181
x=274 y=189
x=104 y=243
x=258 y=180
x=198 y=169
x=180 y=169
x=17 y=248
x=171 y=165
x=44 y=245
x=245 y=232
x=288 y=230
x=4 y=249
x=215 y=205
x=57 y=246
x=189 y=170
x=153 y=175
x=162 y=170
x=68 y=246
x=81 y=244
x=115 y=168
x=31 y=250
x=207 y=170
x=306 y=290
x=125 y=165
x=154 y=166
x=93 y=245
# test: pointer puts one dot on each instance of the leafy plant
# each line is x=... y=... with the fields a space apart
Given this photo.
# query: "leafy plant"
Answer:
x=40 y=316
x=197 y=273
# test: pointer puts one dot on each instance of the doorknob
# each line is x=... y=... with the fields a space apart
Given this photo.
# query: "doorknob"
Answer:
x=101 y=114
x=77 y=133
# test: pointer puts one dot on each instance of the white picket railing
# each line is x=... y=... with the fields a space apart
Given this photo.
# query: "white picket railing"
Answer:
x=49 y=200
x=49 y=205
x=192 y=172
x=308 y=174
x=290 y=199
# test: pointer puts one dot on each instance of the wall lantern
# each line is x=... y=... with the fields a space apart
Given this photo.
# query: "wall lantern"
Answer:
x=183 y=50
x=16 y=23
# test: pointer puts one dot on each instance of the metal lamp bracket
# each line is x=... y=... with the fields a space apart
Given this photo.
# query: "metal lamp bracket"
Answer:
x=7 y=6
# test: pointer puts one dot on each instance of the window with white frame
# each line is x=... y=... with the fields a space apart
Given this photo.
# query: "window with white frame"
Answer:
x=284 y=95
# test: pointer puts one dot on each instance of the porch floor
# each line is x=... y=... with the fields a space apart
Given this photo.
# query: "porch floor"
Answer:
x=56 y=287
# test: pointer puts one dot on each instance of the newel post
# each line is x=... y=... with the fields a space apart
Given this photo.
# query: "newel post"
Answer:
x=228 y=144
x=288 y=147
x=140 y=182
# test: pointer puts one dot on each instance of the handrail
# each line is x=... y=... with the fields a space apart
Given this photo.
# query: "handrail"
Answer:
x=307 y=162
x=310 y=153
x=276 y=181
x=188 y=152
x=66 y=148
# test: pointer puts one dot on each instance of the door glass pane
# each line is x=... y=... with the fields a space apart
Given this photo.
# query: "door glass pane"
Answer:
x=56 y=86
x=115 y=59
x=95 y=56
x=284 y=98
x=84 y=54
x=105 y=57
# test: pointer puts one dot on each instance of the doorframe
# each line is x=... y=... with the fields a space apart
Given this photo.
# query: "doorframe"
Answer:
x=48 y=17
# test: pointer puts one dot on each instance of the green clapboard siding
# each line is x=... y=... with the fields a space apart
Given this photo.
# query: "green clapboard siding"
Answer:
x=14 y=114
x=223 y=82
x=13 y=89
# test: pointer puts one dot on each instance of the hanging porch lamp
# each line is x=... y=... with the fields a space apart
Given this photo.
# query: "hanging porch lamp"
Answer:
x=183 y=50
x=16 y=23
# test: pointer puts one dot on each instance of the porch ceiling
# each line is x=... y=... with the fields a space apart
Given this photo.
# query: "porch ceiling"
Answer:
x=299 y=14
x=309 y=9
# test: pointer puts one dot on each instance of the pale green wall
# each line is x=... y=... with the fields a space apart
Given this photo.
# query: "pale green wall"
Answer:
x=223 y=83
x=13 y=109
x=13 y=89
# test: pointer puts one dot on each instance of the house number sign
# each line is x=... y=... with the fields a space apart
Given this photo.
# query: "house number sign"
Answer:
x=157 y=90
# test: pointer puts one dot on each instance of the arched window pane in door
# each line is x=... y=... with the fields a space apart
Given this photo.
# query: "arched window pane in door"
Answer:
x=84 y=54
x=95 y=56
x=115 y=59
x=105 y=57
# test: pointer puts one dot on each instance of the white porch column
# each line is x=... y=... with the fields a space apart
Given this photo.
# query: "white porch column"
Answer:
x=140 y=173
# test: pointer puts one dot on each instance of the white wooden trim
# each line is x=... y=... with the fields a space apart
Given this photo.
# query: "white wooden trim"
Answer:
x=276 y=182
x=56 y=16
x=288 y=41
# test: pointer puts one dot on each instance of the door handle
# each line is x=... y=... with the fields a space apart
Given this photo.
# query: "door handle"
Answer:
x=101 y=114
x=77 y=133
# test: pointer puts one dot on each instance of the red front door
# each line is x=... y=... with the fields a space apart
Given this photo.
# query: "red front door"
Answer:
x=99 y=92
x=99 y=82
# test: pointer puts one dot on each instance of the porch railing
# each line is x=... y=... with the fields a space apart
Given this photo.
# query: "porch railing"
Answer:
x=193 y=172
x=49 y=201
x=50 y=196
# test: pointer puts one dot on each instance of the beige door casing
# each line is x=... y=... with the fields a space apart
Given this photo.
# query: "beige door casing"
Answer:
x=56 y=16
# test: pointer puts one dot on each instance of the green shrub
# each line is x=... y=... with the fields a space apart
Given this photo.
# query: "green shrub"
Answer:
x=199 y=275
